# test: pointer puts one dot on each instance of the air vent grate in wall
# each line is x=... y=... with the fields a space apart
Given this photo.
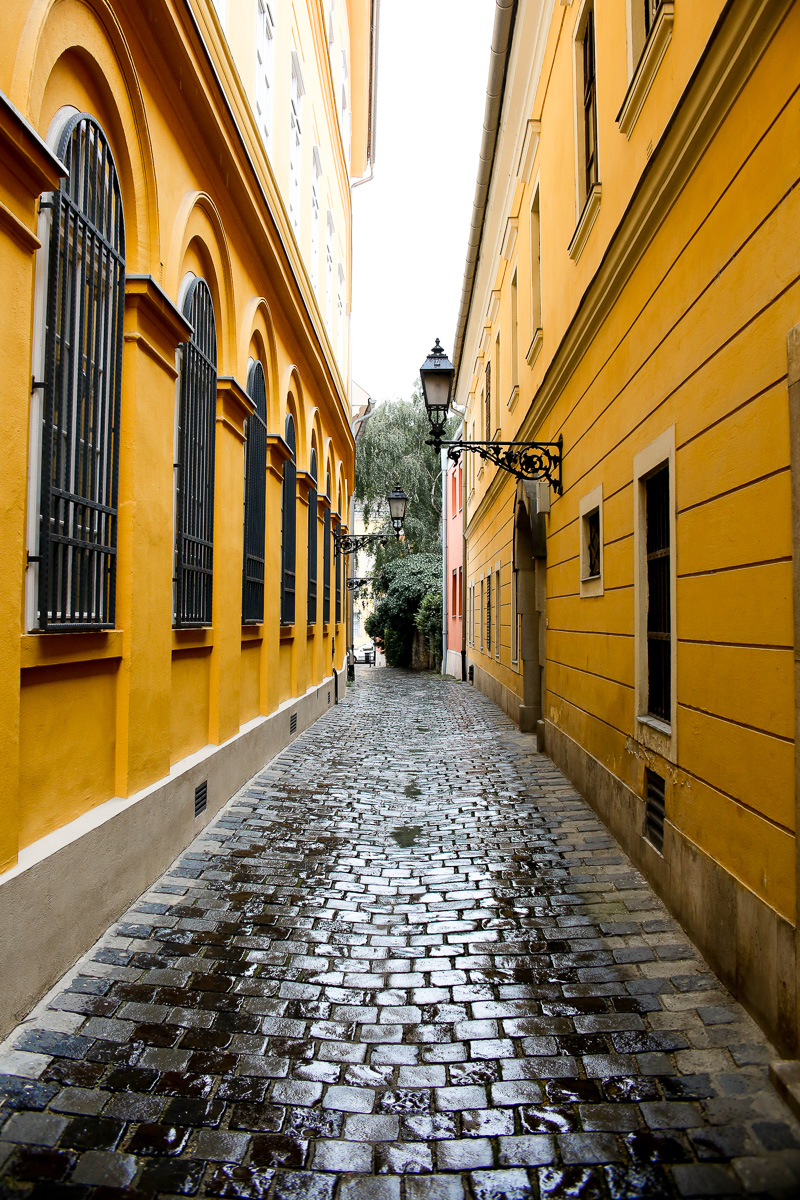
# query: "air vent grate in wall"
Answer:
x=329 y=697
x=293 y=723
x=200 y=798
x=654 y=809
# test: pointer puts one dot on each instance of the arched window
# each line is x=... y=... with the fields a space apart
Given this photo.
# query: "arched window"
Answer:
x=312 y=543
x=288 y=527
x=326 y=557
x=194 y=466
x=337 y=566
x=255 y=500
x=76 y=554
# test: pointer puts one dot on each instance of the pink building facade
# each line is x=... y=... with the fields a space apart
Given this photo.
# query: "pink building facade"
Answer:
x=453 y=582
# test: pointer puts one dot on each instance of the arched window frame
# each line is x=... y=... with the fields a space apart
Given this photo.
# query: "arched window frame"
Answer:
x=289 y=526
x=195 y=462
x=312 y=542
x=255 y=500
x=326 y=556
x=72 y=543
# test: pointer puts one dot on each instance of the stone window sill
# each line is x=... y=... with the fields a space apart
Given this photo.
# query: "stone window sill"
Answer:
x=51 y=649
x=535 y=347
x=287 y=633
x=192 y=639
x=647 y=68
x=585 y=222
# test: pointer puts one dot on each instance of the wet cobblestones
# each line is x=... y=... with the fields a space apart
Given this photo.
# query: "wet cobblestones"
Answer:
x=405 y=963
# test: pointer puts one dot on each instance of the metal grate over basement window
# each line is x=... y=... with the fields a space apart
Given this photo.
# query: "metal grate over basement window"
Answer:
x=293 y=723
x=200 y=798
x=654 y=809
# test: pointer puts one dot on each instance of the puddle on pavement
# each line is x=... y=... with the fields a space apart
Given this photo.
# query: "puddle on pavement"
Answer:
x=406 y=835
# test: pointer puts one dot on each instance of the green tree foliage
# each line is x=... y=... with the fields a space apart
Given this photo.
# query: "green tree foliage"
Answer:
x=400 y=588
x=393 y=448
x=428 y=620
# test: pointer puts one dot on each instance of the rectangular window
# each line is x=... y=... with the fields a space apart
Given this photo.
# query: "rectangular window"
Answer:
x=497 y=385
x=460 y=488
x=265 y=69
x=326 y=565
x=295 y=143
x=453 y=504
x=488 y=614
x=453 y=595
x=591 y=542
x=460 y=593
x=340 y=316
x=497 y=614
x=514 y=619
x=536 y=275
x=586 y=116
x=480 y=614
x=329 y=277
x=488 y=402
x=514 y=336
x=659 y=698
x=315 y=188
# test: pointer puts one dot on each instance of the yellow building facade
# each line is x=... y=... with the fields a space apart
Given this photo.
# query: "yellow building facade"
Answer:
x=630 y=286
x=175 y=245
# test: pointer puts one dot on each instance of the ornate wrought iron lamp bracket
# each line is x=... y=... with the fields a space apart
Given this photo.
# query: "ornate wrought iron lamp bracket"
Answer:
x=525 y=460
x=354 y=583
x=351 y=543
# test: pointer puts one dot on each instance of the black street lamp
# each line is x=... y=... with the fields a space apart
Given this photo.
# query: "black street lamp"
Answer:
x=351 y=543
x=525 y=460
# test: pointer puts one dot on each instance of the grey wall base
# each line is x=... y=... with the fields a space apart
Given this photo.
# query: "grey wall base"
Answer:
x=748 y=944
x=68 y=888
x=502 y=696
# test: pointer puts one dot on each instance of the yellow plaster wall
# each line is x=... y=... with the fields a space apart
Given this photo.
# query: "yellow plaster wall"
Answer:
x=111 y=712
x=697 y=339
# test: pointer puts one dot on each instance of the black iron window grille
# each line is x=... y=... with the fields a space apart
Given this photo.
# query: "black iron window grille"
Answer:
x=326 y=559
x=77 y=552
x=255 y=500
x=338 y=567
x=589 y=104
x=194 y=469
x=592 y=534
x=659 y=624
x=312 y=543
x=289 y=527
x=488 y=401
x=489 y=615
x=654 y=809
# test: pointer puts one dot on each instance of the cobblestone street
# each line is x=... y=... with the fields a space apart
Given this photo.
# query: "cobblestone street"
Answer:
x=405 y=962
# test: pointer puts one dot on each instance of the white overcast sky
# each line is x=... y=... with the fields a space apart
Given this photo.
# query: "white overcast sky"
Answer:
x=411 y=222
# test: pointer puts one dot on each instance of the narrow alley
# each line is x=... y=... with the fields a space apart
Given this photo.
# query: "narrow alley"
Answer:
x=405 y=961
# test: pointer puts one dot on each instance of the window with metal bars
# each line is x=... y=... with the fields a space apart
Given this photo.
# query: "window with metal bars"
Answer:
x=289 y=527
x=659 y=623
x=326 y=558
x=338 y=571
x=488 y=401
x=255 y=500
x=312 y=543
x=76 y=555
x=589 y=106
x=194 y=466
x=591 y=534
x=488 y=614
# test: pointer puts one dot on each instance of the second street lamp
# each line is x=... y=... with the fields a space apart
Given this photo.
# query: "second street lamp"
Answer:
x=351 y=543
x=525 y=460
